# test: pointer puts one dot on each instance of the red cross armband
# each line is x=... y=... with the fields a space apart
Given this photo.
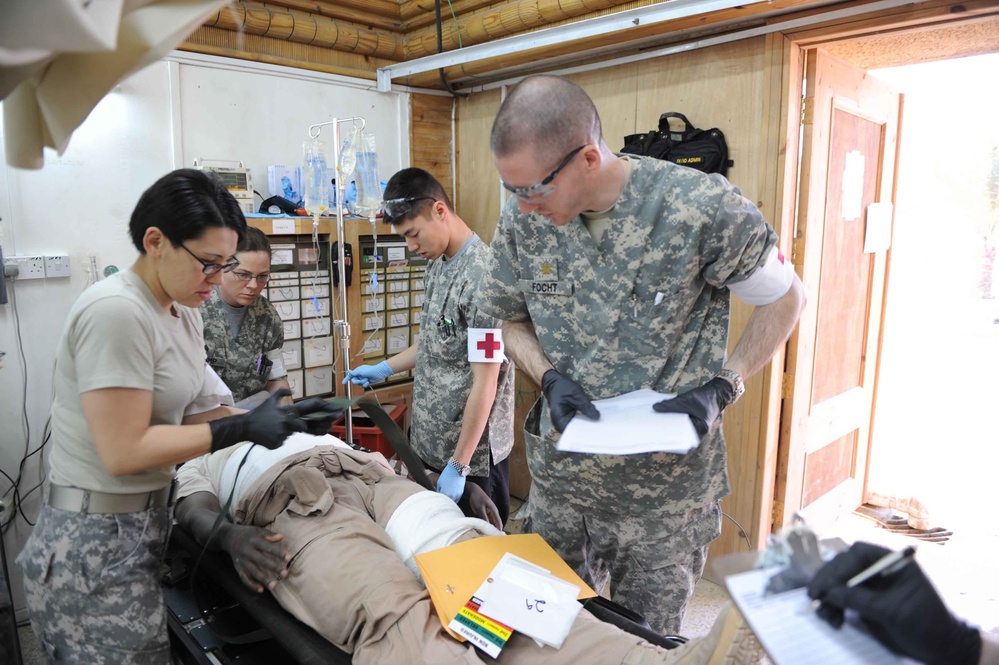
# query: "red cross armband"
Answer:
x=485 y=345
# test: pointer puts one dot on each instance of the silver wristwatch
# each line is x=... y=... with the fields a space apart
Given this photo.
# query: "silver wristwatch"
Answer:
x=462 y=469
x=738 y=386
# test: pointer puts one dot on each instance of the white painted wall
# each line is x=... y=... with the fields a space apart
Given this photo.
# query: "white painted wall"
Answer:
x=163 y=117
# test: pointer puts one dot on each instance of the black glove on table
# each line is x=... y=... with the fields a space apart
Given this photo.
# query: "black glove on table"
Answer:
x=703 y=404
x=902 y=609
x=268 y=425
x=565 y=399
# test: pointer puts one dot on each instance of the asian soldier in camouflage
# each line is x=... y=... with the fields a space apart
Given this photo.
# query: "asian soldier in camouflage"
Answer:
x=449 y=400
x=633 y=295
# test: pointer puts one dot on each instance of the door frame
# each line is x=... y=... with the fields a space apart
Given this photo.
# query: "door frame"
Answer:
x=793 y=46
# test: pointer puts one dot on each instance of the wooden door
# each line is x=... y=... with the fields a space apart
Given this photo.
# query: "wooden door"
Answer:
x=849 y=132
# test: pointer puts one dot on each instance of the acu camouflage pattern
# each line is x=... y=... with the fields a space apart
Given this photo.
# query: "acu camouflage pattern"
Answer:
x=651 y=566
x=673 y=231
x=93 y=589
x=235 y=360
x=443 y=376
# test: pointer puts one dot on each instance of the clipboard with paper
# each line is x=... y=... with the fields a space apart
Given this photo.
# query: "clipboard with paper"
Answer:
x=453 y=574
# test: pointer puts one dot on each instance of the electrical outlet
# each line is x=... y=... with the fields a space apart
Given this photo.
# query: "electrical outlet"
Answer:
x=28 y=267
x=57 y=265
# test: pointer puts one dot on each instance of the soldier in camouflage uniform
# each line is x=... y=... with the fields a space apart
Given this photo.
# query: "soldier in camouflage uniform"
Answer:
x=632 y=295
x=462 y=404
x=132 y=396
x=243 y=332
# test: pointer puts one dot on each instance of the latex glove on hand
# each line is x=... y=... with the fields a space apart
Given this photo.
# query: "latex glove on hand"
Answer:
x=902 y=609
x=268 y=425
x=318 y=415
x=703 y=404
x=565 y=399
x=365 y=375
x=451 y=483
x=257 y=555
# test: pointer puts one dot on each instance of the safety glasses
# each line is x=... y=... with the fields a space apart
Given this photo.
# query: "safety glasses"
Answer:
x=541 y=190
x=244 y=276
x=399 y=208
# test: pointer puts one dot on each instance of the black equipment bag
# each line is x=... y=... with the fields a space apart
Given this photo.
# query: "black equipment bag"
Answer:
x=701 y=149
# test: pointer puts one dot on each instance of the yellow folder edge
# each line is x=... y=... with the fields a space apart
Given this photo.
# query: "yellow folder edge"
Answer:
x=454 y=573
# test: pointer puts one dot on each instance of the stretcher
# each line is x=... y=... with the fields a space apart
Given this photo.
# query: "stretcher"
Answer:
x=215 y=619
x=226 y=622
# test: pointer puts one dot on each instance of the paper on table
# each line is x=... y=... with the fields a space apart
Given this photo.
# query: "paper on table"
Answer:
x=791 y=636
x=628 y=425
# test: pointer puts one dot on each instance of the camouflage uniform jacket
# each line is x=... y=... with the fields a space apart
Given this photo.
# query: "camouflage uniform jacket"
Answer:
x=443 y=376
x=673 y=231
x=235 y=359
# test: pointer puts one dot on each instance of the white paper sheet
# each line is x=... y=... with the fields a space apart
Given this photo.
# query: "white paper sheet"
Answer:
x=877 y=236
x=530 y=600
x=628 y=425
x=792 y=637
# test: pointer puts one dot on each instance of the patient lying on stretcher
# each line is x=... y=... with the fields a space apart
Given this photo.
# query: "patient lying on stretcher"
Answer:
x=331 y=532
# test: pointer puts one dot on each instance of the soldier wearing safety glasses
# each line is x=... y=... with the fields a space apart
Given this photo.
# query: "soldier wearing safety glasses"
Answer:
x=243 y=332
x=613 y=274
x=463 y=382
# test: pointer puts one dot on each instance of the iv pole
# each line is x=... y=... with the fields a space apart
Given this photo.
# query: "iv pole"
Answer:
x=340 y=326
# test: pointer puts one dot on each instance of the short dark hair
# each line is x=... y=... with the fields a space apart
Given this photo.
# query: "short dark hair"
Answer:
x=551 y=114
x=414 y=183
x=182 y=204
x=254 y=240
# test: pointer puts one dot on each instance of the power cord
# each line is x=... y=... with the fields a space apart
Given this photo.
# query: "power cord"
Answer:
x=17 y=499
x=742 y=532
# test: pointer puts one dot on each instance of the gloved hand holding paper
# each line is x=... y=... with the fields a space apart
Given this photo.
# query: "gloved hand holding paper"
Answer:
x=628 y=426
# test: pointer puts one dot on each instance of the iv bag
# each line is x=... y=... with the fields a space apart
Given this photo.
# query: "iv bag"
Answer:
x=369 y=191
x=314 y=175
x=348 y=157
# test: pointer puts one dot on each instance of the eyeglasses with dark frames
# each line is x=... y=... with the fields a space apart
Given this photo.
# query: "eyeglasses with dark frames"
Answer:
x=541 y=190
x=245 y=276
x=210 y=268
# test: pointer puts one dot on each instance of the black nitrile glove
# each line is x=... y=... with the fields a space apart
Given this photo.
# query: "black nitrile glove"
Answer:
x=902 y=609
x=565 y=399
x=703 y=404
x=318 y=414
x=268 y=425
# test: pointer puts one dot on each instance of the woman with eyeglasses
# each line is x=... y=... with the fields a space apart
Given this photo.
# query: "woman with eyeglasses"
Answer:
x=243 y=332
x=133 y=397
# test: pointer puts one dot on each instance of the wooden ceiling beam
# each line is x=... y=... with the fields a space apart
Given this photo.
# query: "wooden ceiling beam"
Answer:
x=257 y=48
x=389 y=9
x=420 y=13
x=303 y=28
x=382 y=14
x=743 y=15
x=502 y=20
x=923 y=14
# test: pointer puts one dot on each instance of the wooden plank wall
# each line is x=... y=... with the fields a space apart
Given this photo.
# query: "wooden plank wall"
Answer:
x=730 y=86
x=430 y=137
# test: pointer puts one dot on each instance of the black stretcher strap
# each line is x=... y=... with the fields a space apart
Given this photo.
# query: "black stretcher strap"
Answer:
x=395 y=436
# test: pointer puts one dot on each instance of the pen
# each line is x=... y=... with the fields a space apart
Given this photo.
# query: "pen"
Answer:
x=659 y=298
x=886 y=565
x=260 y=360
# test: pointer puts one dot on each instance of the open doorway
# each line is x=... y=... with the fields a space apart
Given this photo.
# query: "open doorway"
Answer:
x=935 y=434
x=890 y=383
